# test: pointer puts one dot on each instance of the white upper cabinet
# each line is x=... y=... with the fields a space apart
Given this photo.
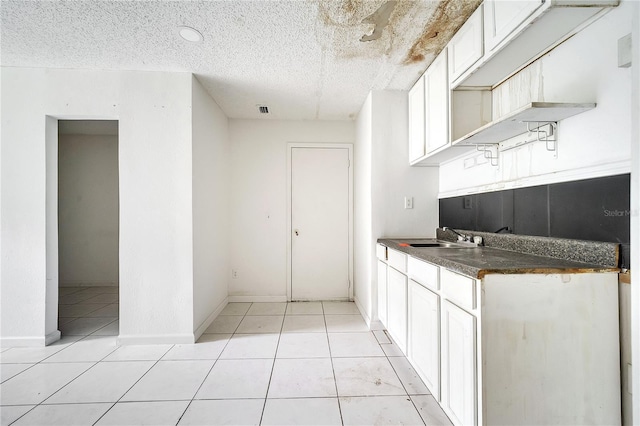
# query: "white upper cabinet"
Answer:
x=496 y=45
x=517 y=32
x=466 y=46
x=436 y=86
x=501 y=17
x=416 y=121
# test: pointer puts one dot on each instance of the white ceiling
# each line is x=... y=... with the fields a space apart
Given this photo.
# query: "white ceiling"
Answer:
x=303 y=59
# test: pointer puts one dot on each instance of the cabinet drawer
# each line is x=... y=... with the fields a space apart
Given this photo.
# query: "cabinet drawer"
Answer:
x=423 y=273
x=397 y=260
x=458 y=288
x=381 y=252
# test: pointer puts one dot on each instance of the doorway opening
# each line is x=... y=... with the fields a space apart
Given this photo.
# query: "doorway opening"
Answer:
x=88 y=228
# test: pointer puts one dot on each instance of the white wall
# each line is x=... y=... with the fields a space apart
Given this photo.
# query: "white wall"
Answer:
x=383 y=179
x=394 y=179
x=88 y=209
x=363 y=209
x=591 y=144
x=156 y=262
x=258 y=200
x=635 y=208
x=211 y=182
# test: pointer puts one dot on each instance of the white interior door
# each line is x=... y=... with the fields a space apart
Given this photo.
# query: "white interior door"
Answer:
x=319 y=223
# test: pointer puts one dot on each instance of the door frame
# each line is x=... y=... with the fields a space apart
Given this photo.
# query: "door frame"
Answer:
x=290 y=147
x=52 y=287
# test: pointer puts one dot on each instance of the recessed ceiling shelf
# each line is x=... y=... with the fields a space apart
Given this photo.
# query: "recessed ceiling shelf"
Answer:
x=515 y=123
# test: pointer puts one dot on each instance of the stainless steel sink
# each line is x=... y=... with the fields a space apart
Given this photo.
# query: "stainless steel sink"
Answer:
x=445 y=244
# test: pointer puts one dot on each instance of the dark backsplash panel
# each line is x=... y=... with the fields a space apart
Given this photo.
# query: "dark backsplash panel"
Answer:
x=592 y=209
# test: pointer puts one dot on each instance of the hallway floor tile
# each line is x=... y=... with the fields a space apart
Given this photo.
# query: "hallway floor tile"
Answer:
x=302 y=363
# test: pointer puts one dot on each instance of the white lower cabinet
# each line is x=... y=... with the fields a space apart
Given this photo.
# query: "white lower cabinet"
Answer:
x=458 y=364
x=509 y=348
x=397 y=307
x=424 y=335
x=382 y=292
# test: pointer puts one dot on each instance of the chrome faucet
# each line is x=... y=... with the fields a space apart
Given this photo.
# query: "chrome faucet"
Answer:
x=464 y=237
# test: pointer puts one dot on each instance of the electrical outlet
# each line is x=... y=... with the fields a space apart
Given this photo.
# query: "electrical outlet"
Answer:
x=234 y=274
x=408 y=202
x=468 y=203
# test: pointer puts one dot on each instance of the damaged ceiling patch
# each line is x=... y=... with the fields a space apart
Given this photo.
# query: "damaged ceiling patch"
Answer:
x=443 y=24
x=379 y=19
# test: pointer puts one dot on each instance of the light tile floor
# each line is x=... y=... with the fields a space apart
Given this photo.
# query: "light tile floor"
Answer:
x=305 y=363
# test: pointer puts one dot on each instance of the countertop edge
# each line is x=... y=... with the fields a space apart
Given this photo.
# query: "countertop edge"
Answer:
x=480 y=273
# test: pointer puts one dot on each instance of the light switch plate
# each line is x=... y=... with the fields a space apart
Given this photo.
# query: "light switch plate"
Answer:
x=408 y=202
x=624 y=51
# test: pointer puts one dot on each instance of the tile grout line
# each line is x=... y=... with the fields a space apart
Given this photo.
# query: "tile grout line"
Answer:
x=135 y=383
x=190 y=401
x=273 y=365
x=67 y=383
x=399 y=379
x=333 y=370
x=213 y=365
x=92 y=367
x=405 y=389
x=59 y=389
x=95 y=363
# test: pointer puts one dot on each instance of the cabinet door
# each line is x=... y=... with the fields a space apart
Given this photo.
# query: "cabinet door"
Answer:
x=437 y=103
x=466 y=47
x=416 y=121
x=458 y=395
x=382 y=292
x=397 y=307
x=424 y=335
x=501 y=17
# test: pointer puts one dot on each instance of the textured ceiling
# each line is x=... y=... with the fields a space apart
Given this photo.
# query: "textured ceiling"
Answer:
x=303 y=59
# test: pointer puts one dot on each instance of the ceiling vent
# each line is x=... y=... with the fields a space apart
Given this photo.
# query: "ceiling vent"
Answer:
x=263 y=109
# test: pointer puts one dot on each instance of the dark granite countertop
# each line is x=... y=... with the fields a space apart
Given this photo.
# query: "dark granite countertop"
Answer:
x=480 y=261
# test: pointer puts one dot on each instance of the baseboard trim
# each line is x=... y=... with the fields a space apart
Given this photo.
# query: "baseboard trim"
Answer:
x=23 y=342
x=235 y=299
x=376 y=325
x=30 y=342
x=52 y=337
x=200 y=330
x=156 y=339
x=363 y=313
